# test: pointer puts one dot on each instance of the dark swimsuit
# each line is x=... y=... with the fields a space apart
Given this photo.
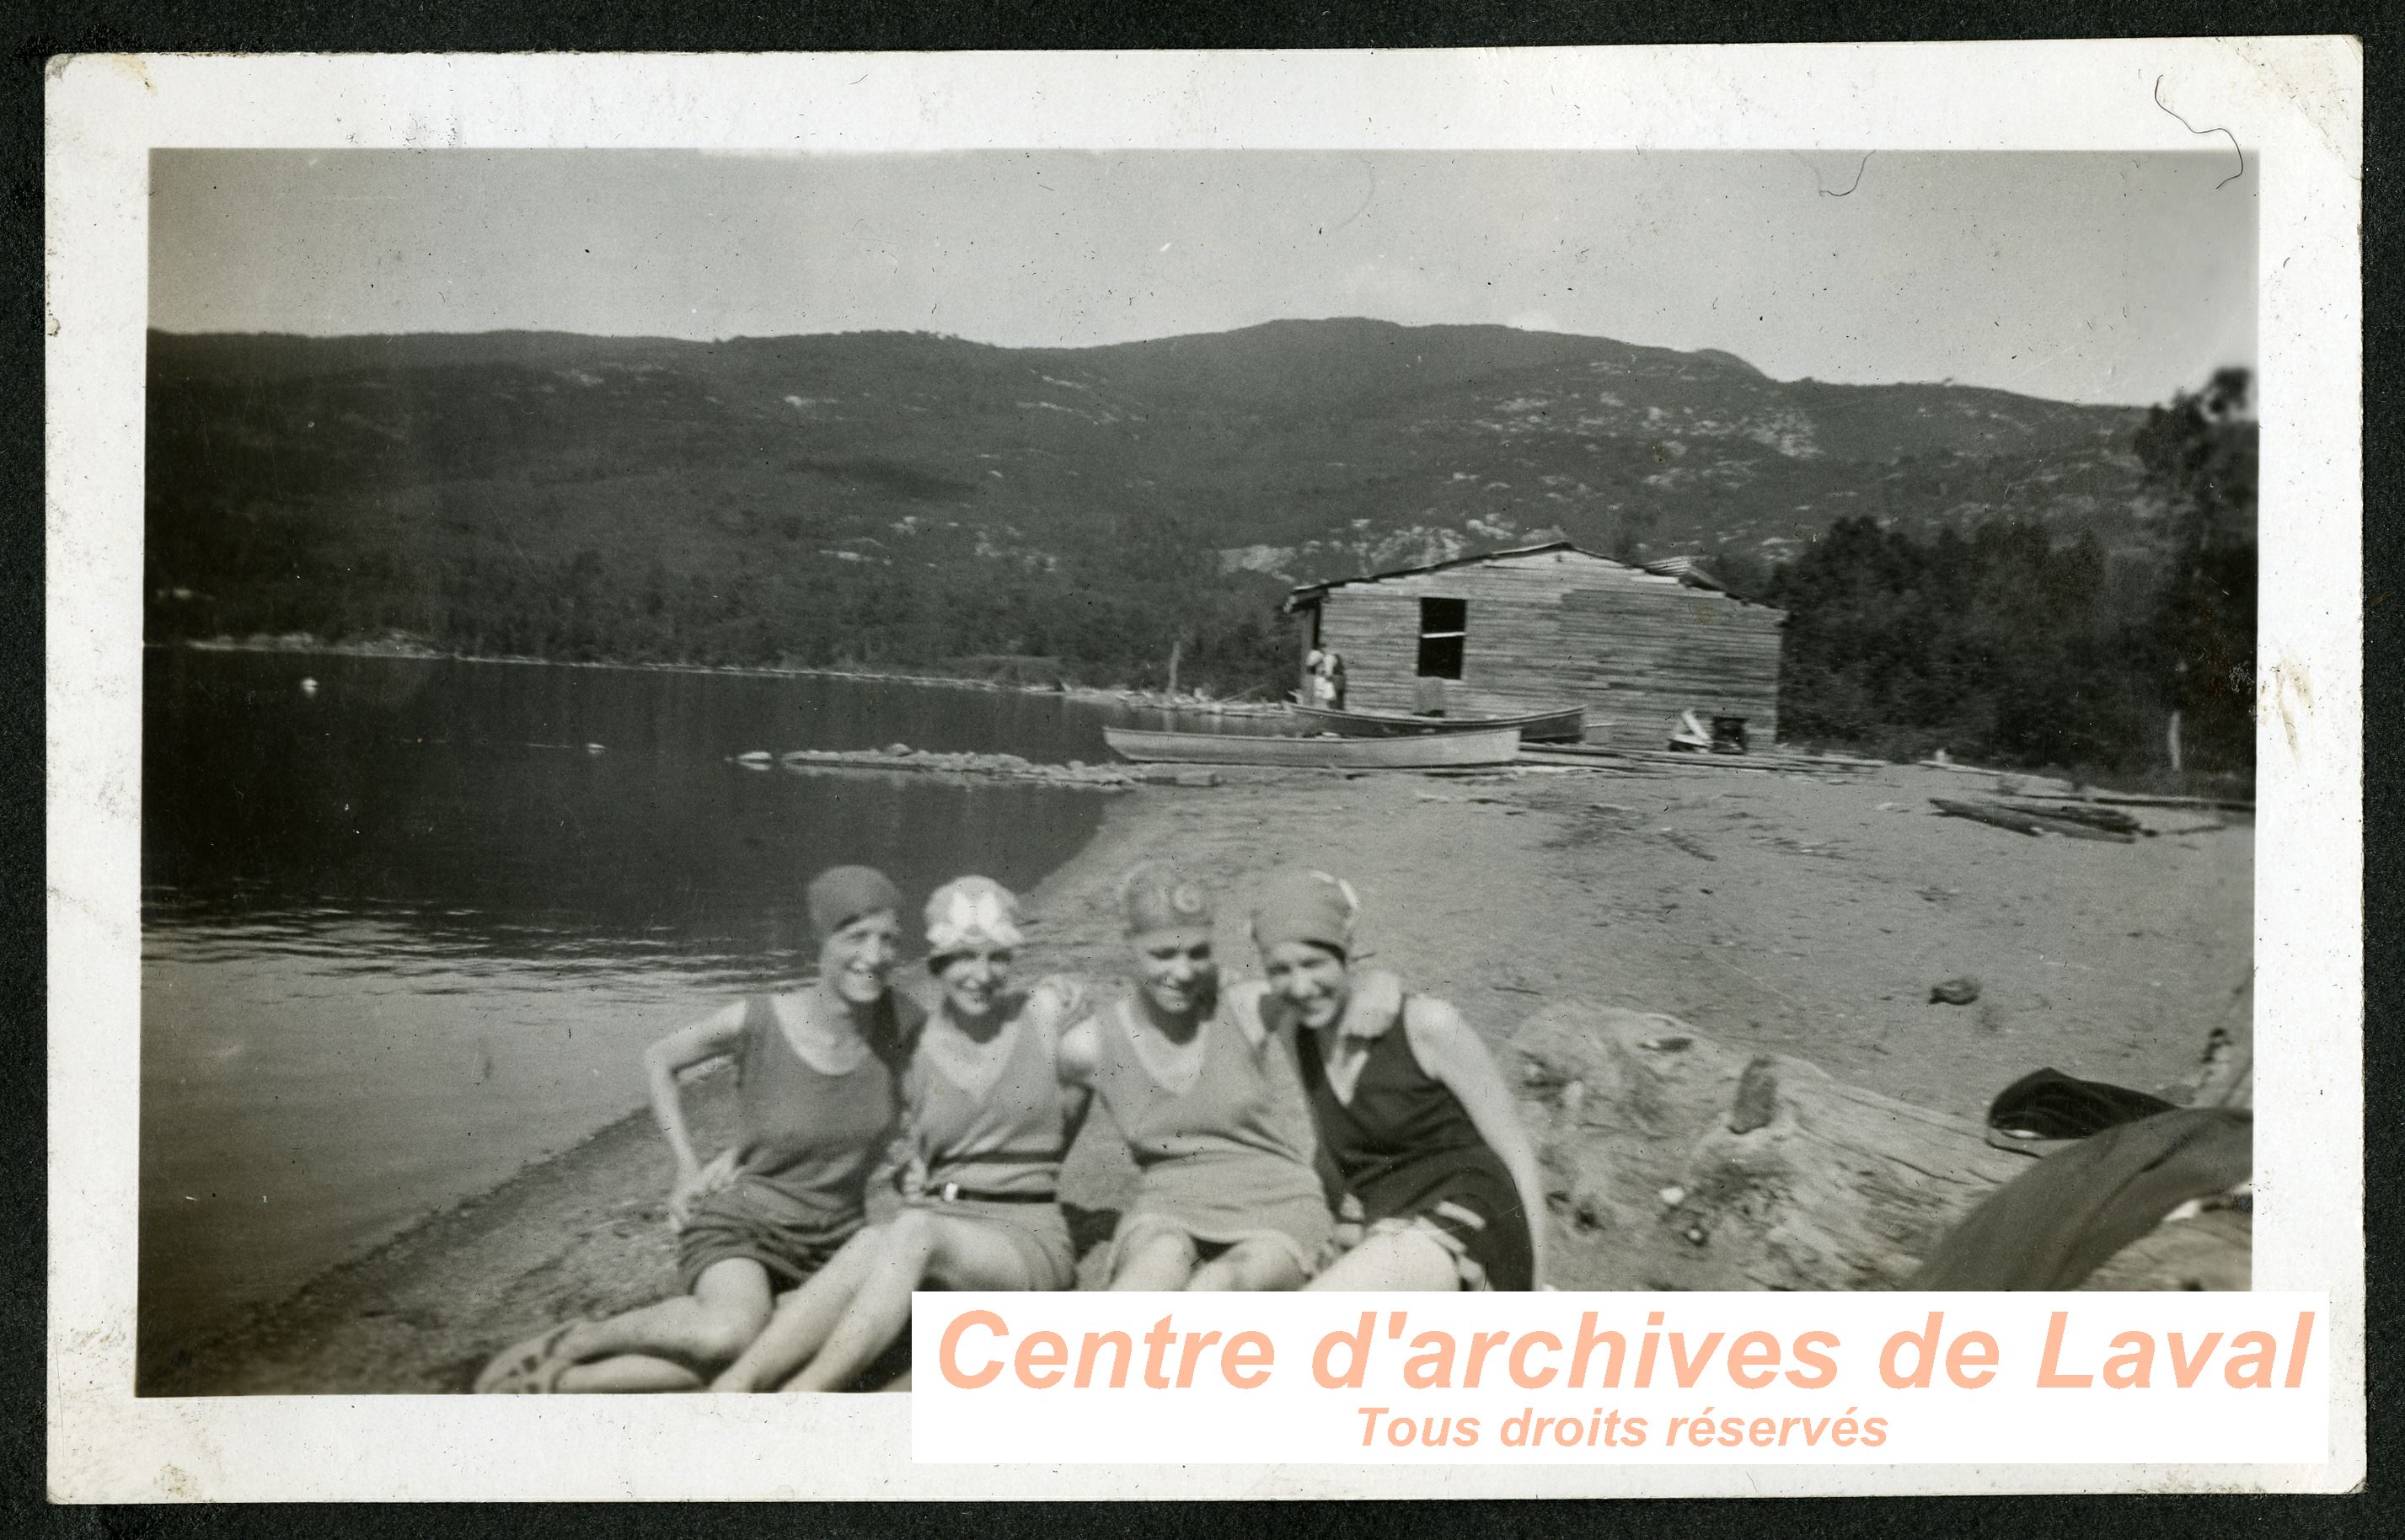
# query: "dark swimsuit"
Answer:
x=1411 y=1156
x=806 y=1144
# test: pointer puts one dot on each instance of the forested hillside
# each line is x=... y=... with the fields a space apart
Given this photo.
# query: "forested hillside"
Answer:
x=908 y=500
x=887 y=498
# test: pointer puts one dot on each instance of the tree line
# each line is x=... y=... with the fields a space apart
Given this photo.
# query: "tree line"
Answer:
x=2008 y=644
x=1113 y=615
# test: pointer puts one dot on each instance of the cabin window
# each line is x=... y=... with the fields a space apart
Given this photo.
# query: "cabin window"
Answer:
x=1444 y=625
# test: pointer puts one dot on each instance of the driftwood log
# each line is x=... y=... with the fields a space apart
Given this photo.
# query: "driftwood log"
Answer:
x=2022 y=822
x=2111 y=820
x=1674 y=1162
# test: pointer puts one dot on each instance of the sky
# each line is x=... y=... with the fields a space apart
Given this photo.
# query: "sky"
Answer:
x=2114 y=277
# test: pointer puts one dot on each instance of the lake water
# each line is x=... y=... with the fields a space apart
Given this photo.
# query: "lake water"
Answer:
x=410 y=930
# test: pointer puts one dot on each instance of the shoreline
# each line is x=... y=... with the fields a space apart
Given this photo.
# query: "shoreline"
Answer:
x=335 y=1332
x=303 y=646
x=1191 y=704
x=1793 y=915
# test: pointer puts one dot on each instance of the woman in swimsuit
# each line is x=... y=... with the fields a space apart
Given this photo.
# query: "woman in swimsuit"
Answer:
x=816 y=1102
x=990 y=1121
x=1210 y=1107
x=1410 y=1105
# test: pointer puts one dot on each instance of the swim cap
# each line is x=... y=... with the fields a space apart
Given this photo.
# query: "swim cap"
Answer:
x=971 y=912
x=1159 y=898
x=842 y=894
x=1312 y=906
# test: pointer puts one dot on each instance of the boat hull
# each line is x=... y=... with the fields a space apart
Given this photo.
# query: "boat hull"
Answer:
x=1566 y=725
x=1432 y=752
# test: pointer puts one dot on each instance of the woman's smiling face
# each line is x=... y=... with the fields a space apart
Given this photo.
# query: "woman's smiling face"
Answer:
x=1175 y=970
x=1310 y=978
x=973 y=978
x=857 y=961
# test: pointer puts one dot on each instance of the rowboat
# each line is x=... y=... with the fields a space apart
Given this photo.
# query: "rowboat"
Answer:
x=1565 y=725
x=1434 y=751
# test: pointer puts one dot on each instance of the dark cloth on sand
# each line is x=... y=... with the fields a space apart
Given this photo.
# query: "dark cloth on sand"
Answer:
x=2049 y=1104
x=2068 y=1215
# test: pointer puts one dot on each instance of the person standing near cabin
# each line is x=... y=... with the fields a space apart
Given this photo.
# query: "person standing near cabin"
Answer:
x=1410 y=1106
x=1228 y=1195
x=816 y=1105
x=990 y=1119
x=1319 y=687
x=1336 y=680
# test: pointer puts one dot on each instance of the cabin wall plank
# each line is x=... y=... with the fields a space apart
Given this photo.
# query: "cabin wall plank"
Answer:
x=1559 y=627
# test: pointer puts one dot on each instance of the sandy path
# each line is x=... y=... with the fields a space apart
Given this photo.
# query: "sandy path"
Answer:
x=1793 y=913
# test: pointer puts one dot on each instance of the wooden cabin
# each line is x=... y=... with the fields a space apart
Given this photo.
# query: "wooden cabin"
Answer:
x=1552 y=625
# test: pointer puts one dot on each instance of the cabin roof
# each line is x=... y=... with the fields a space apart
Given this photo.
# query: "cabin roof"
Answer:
x=1690 y=571
x=1685 y=568
x=1308 y=594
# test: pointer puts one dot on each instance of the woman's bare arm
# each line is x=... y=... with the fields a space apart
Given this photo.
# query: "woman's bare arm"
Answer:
x=1448 y=1049
x=712 y=1037
x=1081 y=1055
x=1063 y=1002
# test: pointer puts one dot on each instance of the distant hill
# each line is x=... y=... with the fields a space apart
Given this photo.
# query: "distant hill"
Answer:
x=440 y=485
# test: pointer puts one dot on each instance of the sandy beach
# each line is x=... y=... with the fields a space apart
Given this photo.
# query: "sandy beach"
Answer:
x=1796 y=913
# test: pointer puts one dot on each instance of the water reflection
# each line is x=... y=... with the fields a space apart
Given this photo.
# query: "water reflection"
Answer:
x=407 y=932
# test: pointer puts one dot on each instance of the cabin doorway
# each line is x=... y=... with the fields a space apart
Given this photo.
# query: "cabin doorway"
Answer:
x=1445 y=638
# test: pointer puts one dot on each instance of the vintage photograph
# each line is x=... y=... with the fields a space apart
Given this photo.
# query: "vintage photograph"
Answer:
x=725 y=736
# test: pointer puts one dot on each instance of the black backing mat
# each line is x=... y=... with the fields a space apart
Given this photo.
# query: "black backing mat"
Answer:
x=39 y=32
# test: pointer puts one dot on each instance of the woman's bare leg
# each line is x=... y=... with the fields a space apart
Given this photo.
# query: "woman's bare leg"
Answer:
x=802 y=1319
x=1163 y=1260
x=1252 y=1264
x=1401 y=1259
x=702 y=1330
x=630 y=1374
x=917 y=1245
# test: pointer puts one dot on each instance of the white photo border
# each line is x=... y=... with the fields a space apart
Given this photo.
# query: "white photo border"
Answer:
x=2294 y=105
